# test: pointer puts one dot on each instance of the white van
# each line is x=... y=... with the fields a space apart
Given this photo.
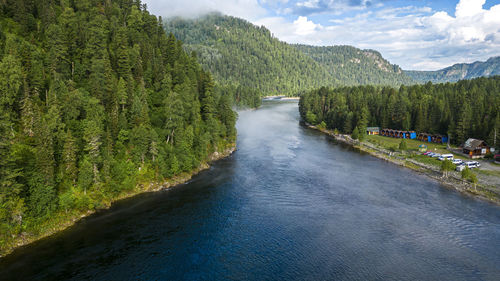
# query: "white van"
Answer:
x=471 y=164
x=446 y=157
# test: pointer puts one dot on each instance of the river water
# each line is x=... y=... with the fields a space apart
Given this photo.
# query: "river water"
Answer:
x=290 y=204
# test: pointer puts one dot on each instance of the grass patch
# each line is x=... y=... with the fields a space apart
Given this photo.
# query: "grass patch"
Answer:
x=488 y=172
x=426 y=160
x=388 y=143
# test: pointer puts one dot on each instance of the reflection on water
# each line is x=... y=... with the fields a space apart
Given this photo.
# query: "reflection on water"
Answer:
x=289 y=204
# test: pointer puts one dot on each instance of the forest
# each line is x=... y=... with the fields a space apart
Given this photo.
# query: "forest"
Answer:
x=239 y=53
x=461 y=110
x=96 y=100
x=350 y=66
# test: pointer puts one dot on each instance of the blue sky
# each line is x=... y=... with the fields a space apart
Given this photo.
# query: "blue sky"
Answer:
x=415 y=34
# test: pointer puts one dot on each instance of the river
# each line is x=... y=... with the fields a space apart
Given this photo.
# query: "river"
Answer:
x=289 y=204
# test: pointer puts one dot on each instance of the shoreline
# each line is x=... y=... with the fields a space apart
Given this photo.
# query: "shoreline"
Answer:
x=70 y=220
x=451 y=182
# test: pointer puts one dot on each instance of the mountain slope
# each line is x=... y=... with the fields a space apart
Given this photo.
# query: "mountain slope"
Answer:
x=352 y=66
x=458 y=71
x=241 y=53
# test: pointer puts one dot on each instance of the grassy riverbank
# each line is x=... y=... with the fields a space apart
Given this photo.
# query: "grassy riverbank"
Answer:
x=386 y=148
x=63 y=220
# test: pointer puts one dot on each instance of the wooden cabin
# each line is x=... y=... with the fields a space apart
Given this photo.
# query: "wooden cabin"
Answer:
x=424 y=137
x=410 y=135
x=475 y=148
x=395 y=133
x=439 y=139
x=373 y=130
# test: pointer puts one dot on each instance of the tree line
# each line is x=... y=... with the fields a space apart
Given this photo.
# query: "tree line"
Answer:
x=245 y=55
x=241 y=54
x=462 y=110
x=95 y=99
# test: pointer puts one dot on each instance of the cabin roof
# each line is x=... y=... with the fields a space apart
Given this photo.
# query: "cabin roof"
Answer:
x=472 y=144
x=373 y=129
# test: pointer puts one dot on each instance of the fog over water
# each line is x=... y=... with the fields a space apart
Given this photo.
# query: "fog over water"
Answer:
x=289 y=204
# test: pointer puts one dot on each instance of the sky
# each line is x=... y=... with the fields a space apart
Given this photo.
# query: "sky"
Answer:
x=415 y=34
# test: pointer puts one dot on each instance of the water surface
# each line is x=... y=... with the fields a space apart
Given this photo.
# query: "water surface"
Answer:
x=290 y=204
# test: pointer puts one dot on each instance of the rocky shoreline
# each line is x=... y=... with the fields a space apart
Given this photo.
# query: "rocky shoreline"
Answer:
x=25 y=239
x=452 y=182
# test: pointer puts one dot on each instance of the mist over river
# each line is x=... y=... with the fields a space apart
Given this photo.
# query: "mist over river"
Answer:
x=289 y=204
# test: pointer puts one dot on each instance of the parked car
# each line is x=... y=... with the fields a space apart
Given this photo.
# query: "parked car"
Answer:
x=460 y=167
x=435 y=155
x=457 y=161
x=427 y=152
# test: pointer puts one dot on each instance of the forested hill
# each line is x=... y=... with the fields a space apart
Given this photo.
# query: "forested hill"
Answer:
x=461 y=110
x=459 y=71
x=352 y=66
x=95 y=100
x=238 y=52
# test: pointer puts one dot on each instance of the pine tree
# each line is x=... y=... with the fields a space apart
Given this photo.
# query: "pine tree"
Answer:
x=68 y=167
x=355 y=133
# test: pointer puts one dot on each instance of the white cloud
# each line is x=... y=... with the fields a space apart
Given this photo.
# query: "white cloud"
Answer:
x=415 y=38
x=248 y=9
x=468 y=8
x=312 y=4
x=303 y=26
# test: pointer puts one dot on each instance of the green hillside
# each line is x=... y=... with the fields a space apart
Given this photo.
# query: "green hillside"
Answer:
x=459 y=71
x=95 y=102
x=352 y=66
x=238 y=52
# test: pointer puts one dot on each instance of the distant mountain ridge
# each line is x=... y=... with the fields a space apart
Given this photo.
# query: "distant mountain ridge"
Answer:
x=353 y=66
x=240 y=53
x=458 y=71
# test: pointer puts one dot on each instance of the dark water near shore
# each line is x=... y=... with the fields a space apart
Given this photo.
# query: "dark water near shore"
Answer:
x=290 y=204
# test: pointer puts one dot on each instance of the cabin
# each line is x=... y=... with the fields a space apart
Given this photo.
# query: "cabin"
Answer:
x=475 y=148
x=424 y=137
x=439 y=139
x=397 y=133
x=373 y=130
x=411 y=135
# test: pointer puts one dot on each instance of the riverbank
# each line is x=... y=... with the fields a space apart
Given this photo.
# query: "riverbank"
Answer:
x=62 y=220
x=484 y=190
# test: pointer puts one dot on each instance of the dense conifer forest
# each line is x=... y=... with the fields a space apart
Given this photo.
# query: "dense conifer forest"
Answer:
x=466 y=109
x=96 y=99
x=242 y=54
x=351 y=66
